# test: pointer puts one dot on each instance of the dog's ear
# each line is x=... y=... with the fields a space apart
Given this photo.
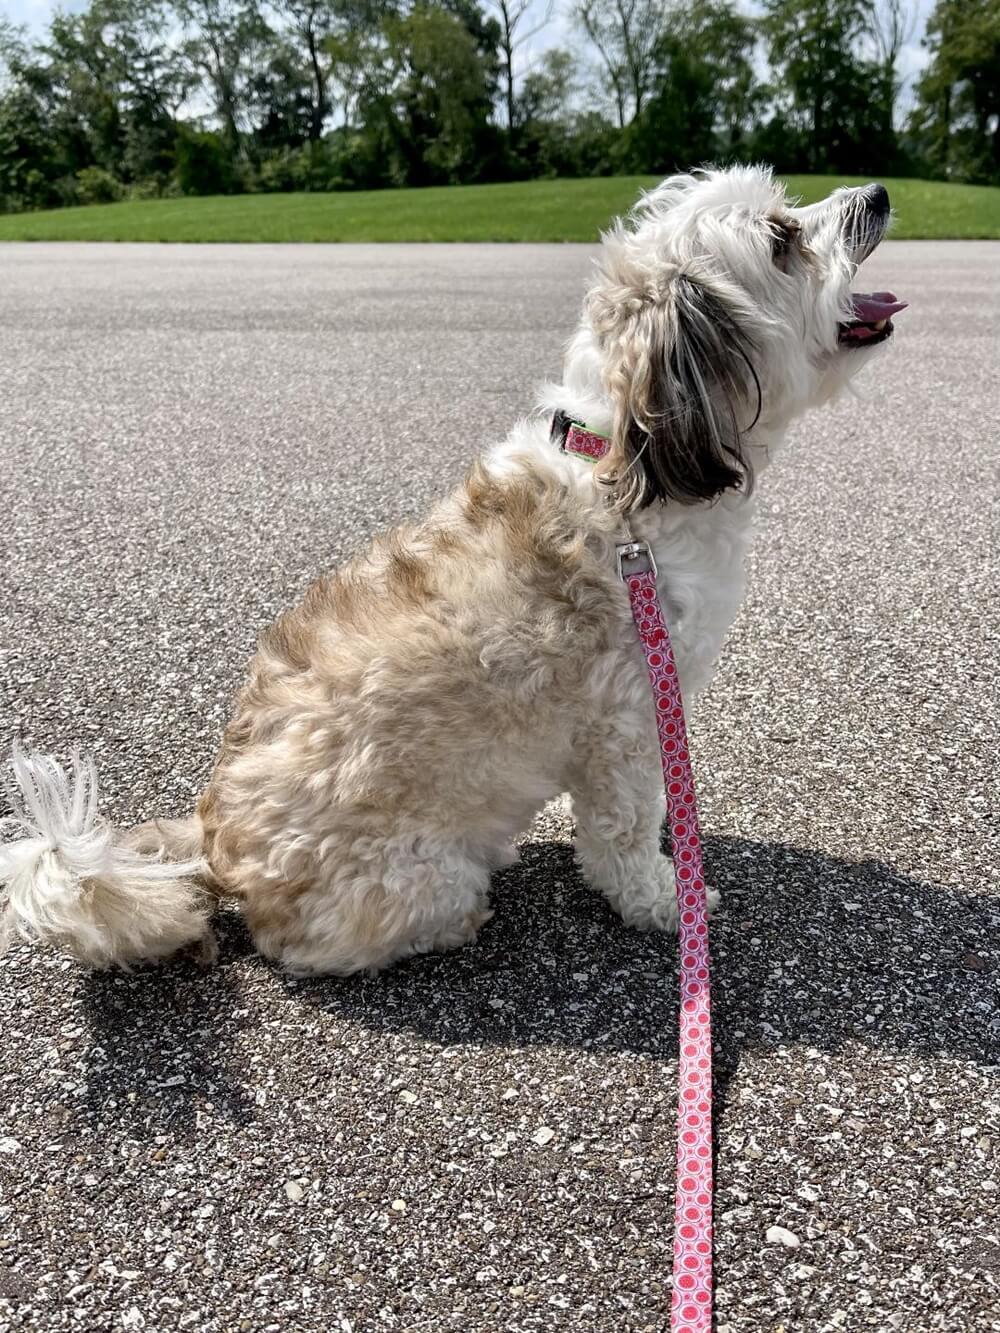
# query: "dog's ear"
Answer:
x=679 y=369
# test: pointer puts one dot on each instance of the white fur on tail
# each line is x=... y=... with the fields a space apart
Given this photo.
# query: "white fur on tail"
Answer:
x=70 y=881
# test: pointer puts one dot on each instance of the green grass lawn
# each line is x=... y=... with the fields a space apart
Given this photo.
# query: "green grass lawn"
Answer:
x=549 y=210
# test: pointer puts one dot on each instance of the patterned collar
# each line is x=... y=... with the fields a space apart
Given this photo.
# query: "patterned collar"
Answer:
x=573 y=437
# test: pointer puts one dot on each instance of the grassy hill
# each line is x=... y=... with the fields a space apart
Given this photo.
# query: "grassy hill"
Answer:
x=548 y=210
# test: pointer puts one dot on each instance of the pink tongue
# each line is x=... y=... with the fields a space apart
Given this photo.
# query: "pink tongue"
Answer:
x=873 y=306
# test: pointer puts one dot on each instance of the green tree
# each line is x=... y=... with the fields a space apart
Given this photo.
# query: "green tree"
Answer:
x=101 y=91
x=279 y=90
x=827 y=83
x=676 y=128
x=430 y=103
x=892 y=23
x=205 y=162
x=482 y=28
x=550 y=88
x=513 y=34
x=150 y=80
x=13 y=53
x=226 y=44
x=555 y=139
x=310 y=24
x=79 y=78
x=626 y=35
x=704 y=97
x=360 y=65
x=957 y=118
x=30 y=161
x=722 y=41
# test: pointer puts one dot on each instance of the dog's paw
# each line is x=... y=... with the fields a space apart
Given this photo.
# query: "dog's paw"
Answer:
x=652 y=905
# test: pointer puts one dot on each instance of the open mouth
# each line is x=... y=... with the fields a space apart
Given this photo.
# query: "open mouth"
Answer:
x=872 y=322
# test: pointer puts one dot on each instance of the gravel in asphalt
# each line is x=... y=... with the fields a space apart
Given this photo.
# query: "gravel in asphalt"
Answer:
x=485 y=1140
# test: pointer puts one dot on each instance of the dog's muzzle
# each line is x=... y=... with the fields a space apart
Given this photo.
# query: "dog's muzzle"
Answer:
x=867 y=213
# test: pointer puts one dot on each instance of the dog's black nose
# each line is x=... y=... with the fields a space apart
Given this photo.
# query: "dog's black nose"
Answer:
x=877 y=198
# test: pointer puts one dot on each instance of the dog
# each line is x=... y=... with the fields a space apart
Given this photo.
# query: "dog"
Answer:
x=403 y=725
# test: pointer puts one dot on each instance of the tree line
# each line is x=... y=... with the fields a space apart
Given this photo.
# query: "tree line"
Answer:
x=145 y=98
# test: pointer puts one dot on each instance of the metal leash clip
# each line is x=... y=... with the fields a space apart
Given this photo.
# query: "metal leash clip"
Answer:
x=634 y=557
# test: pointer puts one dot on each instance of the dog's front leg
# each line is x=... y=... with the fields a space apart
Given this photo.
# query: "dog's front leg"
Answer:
x=618 y=804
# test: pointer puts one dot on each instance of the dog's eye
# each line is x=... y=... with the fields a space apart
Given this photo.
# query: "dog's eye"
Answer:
x=783 y=236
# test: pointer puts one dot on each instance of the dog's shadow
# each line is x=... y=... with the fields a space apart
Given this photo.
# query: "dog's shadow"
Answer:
x=161 y=1041
x=807 y=949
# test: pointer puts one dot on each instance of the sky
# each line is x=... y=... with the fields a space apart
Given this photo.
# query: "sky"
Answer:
x=34 y=15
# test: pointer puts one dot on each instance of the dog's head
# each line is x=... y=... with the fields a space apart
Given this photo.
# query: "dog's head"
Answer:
x=720 y=309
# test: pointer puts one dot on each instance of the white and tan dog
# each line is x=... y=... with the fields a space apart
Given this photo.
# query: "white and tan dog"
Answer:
x=401 y=727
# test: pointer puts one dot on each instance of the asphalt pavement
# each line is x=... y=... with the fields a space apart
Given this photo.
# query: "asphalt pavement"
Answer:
x=484 y=1141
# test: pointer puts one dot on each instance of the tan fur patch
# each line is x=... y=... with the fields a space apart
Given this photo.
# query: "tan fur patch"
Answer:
x=392 y=697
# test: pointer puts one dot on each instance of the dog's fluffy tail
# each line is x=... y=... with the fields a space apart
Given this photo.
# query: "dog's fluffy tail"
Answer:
x=73 y=881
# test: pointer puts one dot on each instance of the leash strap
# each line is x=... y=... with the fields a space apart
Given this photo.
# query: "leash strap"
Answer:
x=691 y=1310
x=691 y=1303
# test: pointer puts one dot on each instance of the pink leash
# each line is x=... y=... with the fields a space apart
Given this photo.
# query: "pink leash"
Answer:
x=691 y=1307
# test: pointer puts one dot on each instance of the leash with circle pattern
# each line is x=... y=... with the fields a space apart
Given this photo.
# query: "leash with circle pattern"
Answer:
x=691 y=1301
x=691 y=1310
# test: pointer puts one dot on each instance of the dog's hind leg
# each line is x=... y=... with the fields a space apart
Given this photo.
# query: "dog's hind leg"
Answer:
x=378 y=901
